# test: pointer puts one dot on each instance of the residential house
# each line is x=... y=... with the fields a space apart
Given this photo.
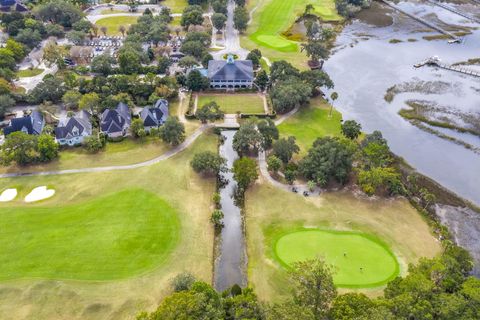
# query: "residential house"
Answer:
x=154 y=117
x=71 y=131
x=31 y=124
x=116 y=122
x=230 y=73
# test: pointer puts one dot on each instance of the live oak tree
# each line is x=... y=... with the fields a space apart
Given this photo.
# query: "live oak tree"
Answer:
x=240 y=19
x=313 y=286
x=172 y=131
x=210 y=112
x=329 y=158
x=274 y=163
x=218 y=20
x=285 y=148
x=351 y=129
x=269 y=132
x=247 y=138
x=245 y=172
x=208 y=162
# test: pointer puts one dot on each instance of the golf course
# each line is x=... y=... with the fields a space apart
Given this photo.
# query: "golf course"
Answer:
x=108 y=243
x=358 y=260
x=111 y=237
x=276 y=16
x=380 y=236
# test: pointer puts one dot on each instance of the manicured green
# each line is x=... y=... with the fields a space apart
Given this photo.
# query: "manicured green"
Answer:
x=113 y=23
x=110 y=237
x=278 y=15
x=312 y=122
x=27 y=73
x=231 y=103
x=358 y=260
x=325 y=9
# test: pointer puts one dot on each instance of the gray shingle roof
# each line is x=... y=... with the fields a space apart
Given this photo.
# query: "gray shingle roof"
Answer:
x=81 y=121
x=221 y=70
x=156 y=115
x=33 y=124
x=115 y=120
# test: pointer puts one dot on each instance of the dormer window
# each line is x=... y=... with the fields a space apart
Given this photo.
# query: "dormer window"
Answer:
x=75 y=131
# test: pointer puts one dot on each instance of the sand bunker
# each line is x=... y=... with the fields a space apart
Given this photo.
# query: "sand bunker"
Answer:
x=8 y=195
x=39 y=193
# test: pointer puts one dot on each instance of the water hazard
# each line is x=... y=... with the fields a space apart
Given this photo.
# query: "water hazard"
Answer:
x=230 y=265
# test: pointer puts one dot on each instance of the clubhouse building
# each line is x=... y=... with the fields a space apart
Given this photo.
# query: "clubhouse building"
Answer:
x=230 y=74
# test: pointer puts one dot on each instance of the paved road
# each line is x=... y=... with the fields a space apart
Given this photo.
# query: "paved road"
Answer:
x=232 y=39
x=34 y=60
x=170 y=153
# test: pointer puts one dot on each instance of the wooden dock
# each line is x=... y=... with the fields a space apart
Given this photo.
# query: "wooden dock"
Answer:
x=435 y=62
x=462 y=14
x=422 y=21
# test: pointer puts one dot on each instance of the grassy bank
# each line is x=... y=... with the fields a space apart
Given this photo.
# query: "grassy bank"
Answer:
x=312 y=122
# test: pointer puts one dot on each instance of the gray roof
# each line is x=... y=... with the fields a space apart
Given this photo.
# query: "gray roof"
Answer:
x=156 y=115
x=32 y=124
x=81 y=120
x=116 y=120
x=221 y=70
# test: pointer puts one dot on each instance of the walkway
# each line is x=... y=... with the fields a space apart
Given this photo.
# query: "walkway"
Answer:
x=422 y=21
x=167 y=155
x=464 y=15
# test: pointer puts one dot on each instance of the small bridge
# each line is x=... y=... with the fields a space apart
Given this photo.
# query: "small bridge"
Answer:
x=436 y=62
x=462 y=14
x=424 y=22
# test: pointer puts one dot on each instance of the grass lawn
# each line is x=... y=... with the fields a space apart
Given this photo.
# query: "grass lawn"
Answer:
x=231 y=103
x=111 y=237
x=272 y=213
x=113 y=23
x=172 y=187
x=358 y=260
x=27 y=73
x=310 y=123
x=176 y=6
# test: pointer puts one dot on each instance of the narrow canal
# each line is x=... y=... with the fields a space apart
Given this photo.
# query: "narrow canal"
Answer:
x=230 y=265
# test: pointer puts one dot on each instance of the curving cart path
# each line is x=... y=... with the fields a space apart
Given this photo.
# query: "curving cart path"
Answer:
x=167 y=155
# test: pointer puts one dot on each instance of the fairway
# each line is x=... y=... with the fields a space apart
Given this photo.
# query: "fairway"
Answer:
x=113 y=23
x=312 y=122
x=358 y=260
x=111 y=237
x=233 y=103
x=278 y=15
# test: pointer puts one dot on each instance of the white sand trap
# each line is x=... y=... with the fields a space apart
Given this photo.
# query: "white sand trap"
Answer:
x=39 y=193
x=8 y=195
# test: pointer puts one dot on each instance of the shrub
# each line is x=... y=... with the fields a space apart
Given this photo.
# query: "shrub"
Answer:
x=183 y=281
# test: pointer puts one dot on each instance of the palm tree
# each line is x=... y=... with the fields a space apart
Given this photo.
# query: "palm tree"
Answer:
x=333 y=96
x=104 y=30
x=122 y=30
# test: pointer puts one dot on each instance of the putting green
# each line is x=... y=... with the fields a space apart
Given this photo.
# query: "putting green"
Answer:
x=278 y=15
x=359 y=260
x=110 y=237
